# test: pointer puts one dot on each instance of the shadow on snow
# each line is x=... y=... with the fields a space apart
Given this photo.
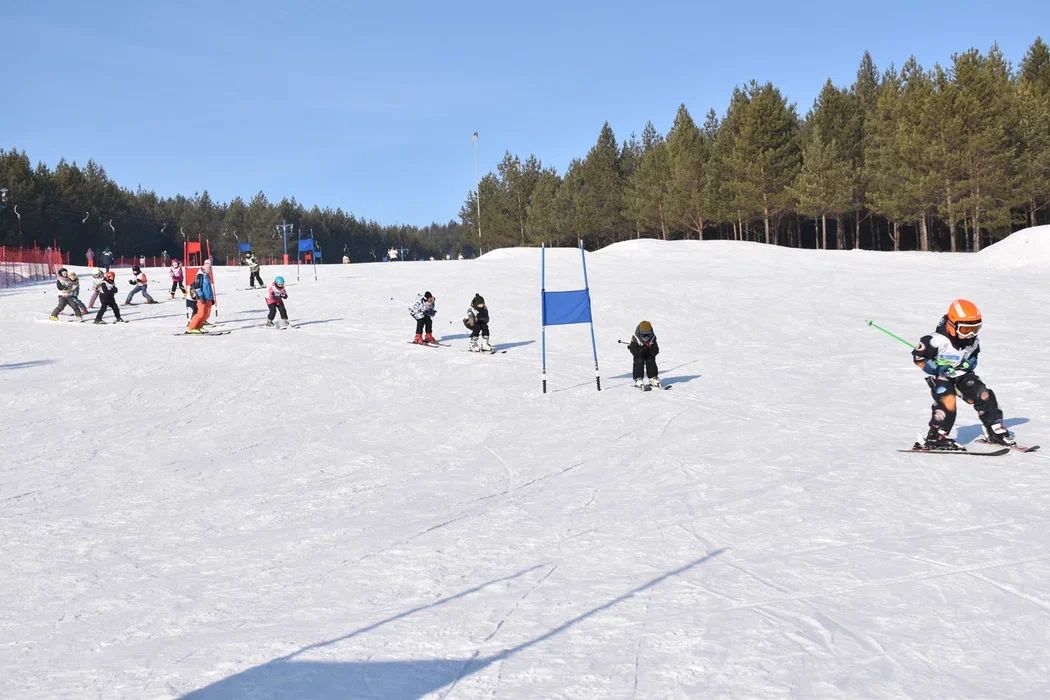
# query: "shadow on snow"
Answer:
x=27 y=363
x=969 y=433
x=404 y=679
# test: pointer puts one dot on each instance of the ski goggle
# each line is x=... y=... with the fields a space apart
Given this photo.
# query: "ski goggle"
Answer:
x=967 y=330
x=645 y=337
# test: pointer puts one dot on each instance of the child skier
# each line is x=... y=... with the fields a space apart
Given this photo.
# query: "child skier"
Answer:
x=107 y=295
x=74 y=293
x=65 y=292
x=204 y=295
x=140 y=283
x=253 y=266
x=423 y=311
x=178 y=275
x=644 y=348
x=948 y=356
x=477 y=320
x=275 y=297
x=96 y=282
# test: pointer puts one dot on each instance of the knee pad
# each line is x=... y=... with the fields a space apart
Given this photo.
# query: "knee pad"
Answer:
x=939 y=415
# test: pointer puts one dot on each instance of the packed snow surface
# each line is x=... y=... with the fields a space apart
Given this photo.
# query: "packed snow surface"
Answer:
x=330 y=512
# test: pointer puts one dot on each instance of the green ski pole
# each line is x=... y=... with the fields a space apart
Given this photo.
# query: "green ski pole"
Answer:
x=889 y=333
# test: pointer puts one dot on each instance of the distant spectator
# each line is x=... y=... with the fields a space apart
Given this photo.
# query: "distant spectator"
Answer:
x=107 y=258
x=90 y=257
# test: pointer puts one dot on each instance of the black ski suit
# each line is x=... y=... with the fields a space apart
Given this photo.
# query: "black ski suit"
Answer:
x=644 y=357
x=107 y=296
x=949 y=363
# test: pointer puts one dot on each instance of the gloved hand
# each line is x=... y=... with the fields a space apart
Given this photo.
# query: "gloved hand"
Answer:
x=969 y=365
x=132 y=282
x=931 y=367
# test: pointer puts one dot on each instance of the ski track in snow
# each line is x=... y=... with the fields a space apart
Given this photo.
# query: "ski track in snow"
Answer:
x=329 y=512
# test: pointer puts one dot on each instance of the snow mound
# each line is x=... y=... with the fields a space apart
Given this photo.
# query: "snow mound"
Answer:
x=1028 y=247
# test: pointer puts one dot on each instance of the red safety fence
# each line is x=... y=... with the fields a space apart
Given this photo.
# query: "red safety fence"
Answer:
x=25 y=265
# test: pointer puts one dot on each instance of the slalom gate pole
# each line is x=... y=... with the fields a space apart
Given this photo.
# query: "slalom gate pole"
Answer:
x=890 y=333
x=543 y=320
x=594 y=345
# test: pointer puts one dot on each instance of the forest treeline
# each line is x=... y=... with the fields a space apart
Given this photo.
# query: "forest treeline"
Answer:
x=949 y=158
x=81 y=207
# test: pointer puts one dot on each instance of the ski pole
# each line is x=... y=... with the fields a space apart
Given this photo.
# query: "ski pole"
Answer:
x=889 y=333
x=942 y=363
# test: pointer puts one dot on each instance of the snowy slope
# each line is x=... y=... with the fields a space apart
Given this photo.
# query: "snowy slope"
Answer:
x=330 y=512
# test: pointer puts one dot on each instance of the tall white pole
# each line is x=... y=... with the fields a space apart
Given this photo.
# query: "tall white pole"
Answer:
x=477 y=183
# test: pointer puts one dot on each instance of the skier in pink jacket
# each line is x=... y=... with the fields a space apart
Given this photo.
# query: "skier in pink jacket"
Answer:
x=275 y=297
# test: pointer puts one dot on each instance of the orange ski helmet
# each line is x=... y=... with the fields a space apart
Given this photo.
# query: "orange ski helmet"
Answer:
x=964 y=319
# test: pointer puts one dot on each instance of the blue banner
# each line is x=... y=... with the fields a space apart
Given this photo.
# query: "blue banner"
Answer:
x=306 y=245
x=245 y=247
x=561 y=308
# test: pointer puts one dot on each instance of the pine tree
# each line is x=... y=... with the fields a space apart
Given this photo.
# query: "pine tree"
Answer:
x=1032 y=185
x=599 y=205
x=836 y=117
x=865 y=92
x=986 y=104
x=688 y=155
x=545 y=223
x=822 y=187
x=884 y=169
x=766 y=156
x=648 y=191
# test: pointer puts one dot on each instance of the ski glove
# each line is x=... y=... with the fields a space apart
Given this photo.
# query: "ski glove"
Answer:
x=969 y=365
x=931 y=367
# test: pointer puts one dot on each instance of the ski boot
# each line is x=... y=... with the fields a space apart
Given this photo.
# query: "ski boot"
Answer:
x=151 y=301
x=639 y=383
x=99 y=322
x=485 y=347
x=418 y=340
x=52 y=317
x=429 y=339
x=269 y=324
x=282 y=324
x=474 y=347
x=938 y=441
x=654 y=382
x=997 y=434
x=173 y=295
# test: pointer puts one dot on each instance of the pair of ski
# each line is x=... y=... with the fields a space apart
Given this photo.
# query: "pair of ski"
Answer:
x=998 y=452
x=435 y=344
x=649 y=387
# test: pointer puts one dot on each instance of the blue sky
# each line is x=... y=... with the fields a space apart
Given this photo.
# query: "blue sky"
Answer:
x=370 y=106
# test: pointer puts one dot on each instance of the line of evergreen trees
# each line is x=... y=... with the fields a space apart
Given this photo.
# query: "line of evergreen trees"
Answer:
x=951 y=158
x=81 y=207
